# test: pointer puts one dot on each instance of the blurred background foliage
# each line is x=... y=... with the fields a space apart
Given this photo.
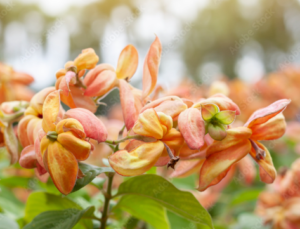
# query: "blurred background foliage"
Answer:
x=238 y=38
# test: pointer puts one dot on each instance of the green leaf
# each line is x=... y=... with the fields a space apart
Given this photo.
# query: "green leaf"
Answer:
x=10 y=204
x=245 y=196
x=90 y=172
x=39 y=202
x=145 y=209
x=208 y=111
x=6 y=222
x=65 y=219
x=162 y=191
x=250 y=221
x=226 y=117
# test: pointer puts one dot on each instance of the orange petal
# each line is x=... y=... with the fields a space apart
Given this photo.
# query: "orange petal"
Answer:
x=130 y=114
x=37 y=147
x=186 y=153
x=80 y=148
x=80 y=100
x=93 y=126
x=188 y=167
x=173 y=139
x=86 y=60
x=127 y=63
x=151 y=65
x=247 y=169
x=267 y=171
x=50 y=111
x=21 y=78
x=273 y=129
x=38 y=99
x=148 y=125
x=192 y=128
x=28 y=157
x=217 y=165
x=137 y=161
x=45 y=142
x=32 y=129
x=62 y=167
x=222 y=101
x=263 y=115
x=166 y=121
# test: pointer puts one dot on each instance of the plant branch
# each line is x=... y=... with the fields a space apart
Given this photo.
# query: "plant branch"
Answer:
x=108 y=197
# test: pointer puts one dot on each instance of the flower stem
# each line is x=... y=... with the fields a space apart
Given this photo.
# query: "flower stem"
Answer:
x=108 y=197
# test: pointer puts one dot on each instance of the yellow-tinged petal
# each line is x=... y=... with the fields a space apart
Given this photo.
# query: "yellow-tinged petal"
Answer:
x=273 y=129
x=217 y=164
x=173 y=139
x=62 y=167
x=37 y=101
x=137 y=161
x=86 y=60
x=267 y=171
x=148 y=124
x=234 y=136
x=80 y=148
x=151 y=65
x=44 y=145
x=171 y=108
x=71 y=124
x=165 y=120
x=50 y=111
x=127 y=63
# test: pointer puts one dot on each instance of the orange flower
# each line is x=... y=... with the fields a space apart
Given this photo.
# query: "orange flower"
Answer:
x=13 y=85
x=138 y=157
x=104 y=78
x=68 y=80
x=265 y=124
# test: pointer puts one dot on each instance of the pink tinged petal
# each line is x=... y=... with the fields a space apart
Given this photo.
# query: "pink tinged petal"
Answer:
x=217 y=164
x=28 y=157
x=247 y=169
x=217 y=131
x=151 y=65
x=162 y=161
x=64 y=84
x=208 y=111
x=127 y=63
x=185 y=153
x=51 y=109
x=192 y=128
x=186 y=168
x=137 y=161
x=263 y=115
x=37 y=148
x=267 y=171
x=225 y=117
x=42 y=174
x=222 y=101
x=158 y=102
x=22 y=130
x=32 y=126
x=93 y=127
x=100 y=80
x=172 y=108
x=82 y=101
x=130 y=114
x=11 y=143
x=273 y=129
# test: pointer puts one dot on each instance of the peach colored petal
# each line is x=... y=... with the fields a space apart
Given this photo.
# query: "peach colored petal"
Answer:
x=37 y=147
x=38 y=99
x=86 y=60
x=151 y=65
x=192 y=128
x=127 y=63
x=171 y=108
x=218 y=163
x=71 y=125
x=62 y=167
x=21 y=78
x=247 y=169
x=22 y=130
x=263 y=115
x=138 y=161
x=273 y=129
x=173 y=139
x=188 y=167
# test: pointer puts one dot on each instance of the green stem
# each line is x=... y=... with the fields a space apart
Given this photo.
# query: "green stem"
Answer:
x=108 y=197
